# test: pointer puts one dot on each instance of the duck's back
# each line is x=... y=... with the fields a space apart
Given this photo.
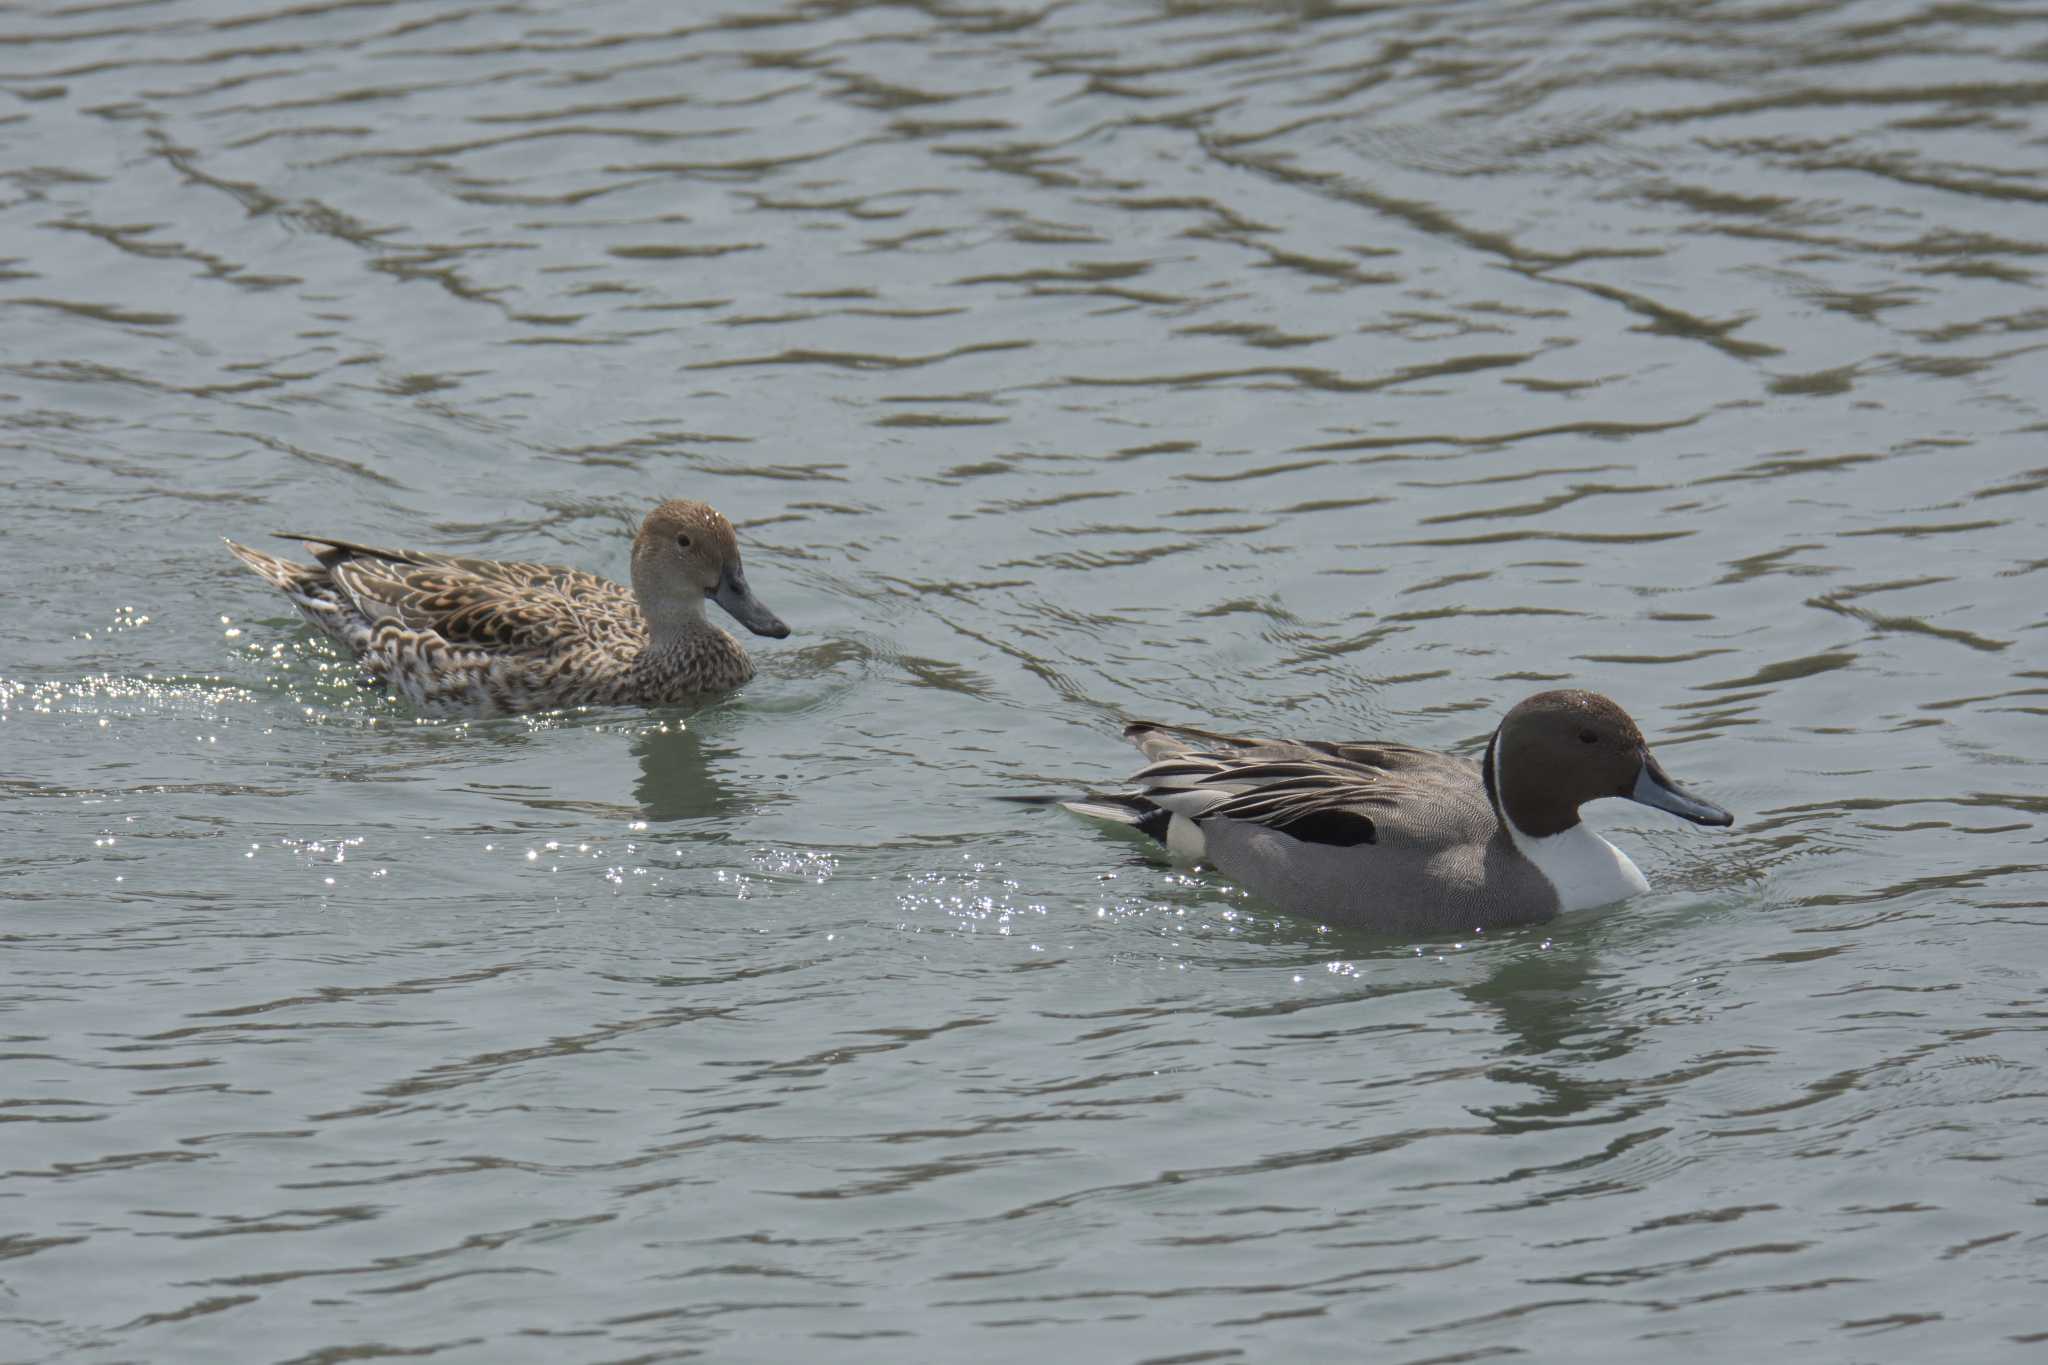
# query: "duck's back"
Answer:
x=510 y=606
x=466 y=636
x=1402 y=839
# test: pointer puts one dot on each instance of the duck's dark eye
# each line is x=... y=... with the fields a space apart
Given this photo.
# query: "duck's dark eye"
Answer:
x=1588 y=737
x=683 y=540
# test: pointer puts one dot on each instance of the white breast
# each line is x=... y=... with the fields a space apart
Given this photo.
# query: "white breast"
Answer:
x=1585 y=868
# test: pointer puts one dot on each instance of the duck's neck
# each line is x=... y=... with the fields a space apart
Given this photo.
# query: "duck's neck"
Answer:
x=1520 y=805
x=684 y=654
x=674 y=613
x=674 y=629
x=1581 y=867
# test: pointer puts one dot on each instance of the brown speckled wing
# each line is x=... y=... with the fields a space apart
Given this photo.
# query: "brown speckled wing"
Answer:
x=609 y=614
x=512 y=607
x=605 y=611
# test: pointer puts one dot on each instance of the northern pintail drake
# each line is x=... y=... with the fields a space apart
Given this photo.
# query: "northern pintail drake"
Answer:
x=486 y=636
x=1389 y=837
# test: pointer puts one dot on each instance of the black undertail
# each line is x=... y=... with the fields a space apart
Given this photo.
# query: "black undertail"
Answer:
x=1153 y=822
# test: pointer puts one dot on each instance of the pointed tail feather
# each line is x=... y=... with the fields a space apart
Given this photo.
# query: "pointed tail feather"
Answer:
x=1124 y=810
x=279 y=573
x=331 y=552
x=1158 y=740
x=313 y=591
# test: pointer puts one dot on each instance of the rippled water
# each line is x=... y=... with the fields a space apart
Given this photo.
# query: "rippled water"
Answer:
x=1291 y=368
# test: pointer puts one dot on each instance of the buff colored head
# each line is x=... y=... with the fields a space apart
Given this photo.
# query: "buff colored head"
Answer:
x=685 y=553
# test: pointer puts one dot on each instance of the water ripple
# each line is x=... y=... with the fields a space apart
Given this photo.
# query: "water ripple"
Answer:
x=1305 y=369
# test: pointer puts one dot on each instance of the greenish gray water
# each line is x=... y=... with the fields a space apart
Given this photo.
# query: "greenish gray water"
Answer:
x=1312 y=369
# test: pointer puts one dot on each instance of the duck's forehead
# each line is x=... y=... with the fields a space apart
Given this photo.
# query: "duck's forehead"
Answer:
x=682 y=514
x=1575 y=707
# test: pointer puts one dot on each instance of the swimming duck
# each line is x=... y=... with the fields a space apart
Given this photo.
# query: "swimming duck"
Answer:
x=485 y=636
x=1386 y=836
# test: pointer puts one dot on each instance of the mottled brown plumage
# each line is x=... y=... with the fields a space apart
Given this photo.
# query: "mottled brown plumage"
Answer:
x=485 y=636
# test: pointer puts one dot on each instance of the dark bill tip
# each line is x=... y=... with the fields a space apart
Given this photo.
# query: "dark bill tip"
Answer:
x=1654 y=788
x=740 y=603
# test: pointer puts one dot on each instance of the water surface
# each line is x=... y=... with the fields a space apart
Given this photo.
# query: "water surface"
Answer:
x=1313 y=369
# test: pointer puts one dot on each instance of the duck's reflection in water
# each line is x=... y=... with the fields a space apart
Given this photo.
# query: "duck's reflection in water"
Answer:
x=1562 y=1027
x=679 y=775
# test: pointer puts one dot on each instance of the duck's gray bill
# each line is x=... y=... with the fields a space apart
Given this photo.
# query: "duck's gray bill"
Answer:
x=738 y=599
x=1654 y=788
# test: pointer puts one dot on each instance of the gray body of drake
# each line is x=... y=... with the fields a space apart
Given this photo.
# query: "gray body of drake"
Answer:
x=1401 y=839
